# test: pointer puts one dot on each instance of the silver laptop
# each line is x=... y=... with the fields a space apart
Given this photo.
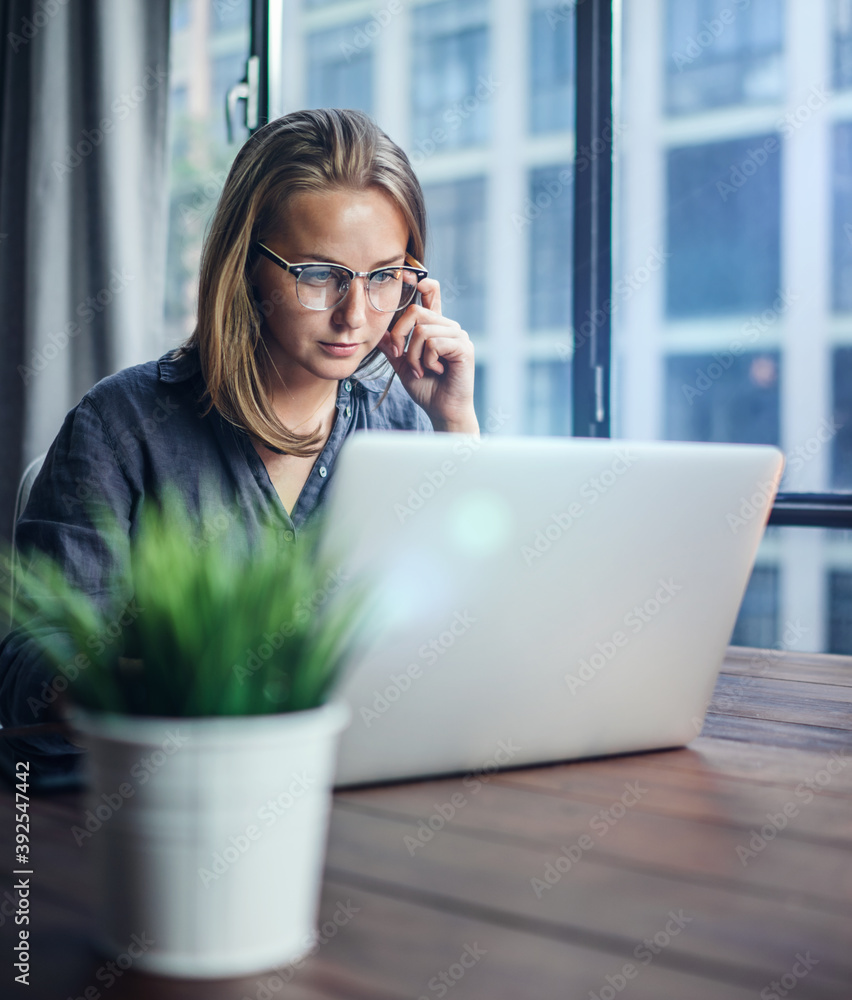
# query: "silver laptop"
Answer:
x=538 y=599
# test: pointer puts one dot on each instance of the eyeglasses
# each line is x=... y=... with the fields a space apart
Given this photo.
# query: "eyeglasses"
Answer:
x=323 y=286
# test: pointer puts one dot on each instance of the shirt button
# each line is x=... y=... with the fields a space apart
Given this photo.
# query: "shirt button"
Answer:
x=323 y=471
x=347 y=412
x=347 y=385
x=288 y=535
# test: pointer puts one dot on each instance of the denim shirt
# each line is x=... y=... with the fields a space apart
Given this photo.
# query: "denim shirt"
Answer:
x=131 y=434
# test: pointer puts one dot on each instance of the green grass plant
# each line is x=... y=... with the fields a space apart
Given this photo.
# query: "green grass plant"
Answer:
x=221 y=624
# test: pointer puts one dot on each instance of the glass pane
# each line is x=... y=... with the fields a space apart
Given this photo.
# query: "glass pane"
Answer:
x=732 y=266
x=339 y=73
x=456 y=212
x=800 y=593
x=451 y=56
x=550 y=247
x=841 y=44
x=552 y=73
x=480 y=94
x=209 y=48
x=723 y=53
x=723 y=202
x=548 y=410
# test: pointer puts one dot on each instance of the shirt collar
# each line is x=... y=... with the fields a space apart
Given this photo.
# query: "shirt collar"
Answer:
x=179 y=364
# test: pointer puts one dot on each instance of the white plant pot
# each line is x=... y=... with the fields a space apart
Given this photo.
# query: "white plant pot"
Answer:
x=209 y=836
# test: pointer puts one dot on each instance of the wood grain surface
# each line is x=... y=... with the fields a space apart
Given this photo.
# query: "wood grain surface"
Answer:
x=712 y=871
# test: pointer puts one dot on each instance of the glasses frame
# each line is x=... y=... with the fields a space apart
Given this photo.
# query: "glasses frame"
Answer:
x=412 y=264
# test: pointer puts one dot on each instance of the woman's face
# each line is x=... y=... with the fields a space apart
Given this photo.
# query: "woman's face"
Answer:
x=362 y=230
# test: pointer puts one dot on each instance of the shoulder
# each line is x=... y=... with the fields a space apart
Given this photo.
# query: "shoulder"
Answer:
x=397 y=411
x=146 y=390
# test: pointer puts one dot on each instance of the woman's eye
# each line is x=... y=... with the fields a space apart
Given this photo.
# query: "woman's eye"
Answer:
x=317 y=275
x=386 y=277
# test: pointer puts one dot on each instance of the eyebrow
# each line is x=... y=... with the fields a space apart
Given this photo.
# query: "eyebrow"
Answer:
x=330 y=260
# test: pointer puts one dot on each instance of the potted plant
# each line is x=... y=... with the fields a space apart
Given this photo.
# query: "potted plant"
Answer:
x=211 y=746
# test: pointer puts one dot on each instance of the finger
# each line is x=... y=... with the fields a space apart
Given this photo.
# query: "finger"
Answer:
x=440 y=327
x=405 y=321
x=443 y=342
x=431 y=357
x=447 y=349
x=430 y=294
x=388 y=347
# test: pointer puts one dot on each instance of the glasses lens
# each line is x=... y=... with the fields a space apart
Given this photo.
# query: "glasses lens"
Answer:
x=393 y=288
x=321 y=287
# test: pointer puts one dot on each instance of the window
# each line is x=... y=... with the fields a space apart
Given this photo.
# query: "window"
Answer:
x=450 y=72
x=551 y=61
x=841 y=424
x=456 y=213
x=840 y=612
x=723 y=52
x=339 y=72
x=209 y=49
x=732 y=264
x=842 y=218
x=757 y=622
x=548 y=408
x=710 y=397
x=550 y=247
x=841 y=47
x=723 y=203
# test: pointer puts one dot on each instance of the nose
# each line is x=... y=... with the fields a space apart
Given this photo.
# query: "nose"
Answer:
x=352 y=310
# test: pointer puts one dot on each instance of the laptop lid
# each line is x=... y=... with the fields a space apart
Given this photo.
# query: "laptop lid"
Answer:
x=540 y=599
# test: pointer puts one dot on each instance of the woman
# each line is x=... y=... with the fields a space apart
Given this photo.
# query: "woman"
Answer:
x=307 y=294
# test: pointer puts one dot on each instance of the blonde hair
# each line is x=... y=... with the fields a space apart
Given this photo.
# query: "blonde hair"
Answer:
x=311 y=150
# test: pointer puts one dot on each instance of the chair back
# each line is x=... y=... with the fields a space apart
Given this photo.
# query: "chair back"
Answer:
x=24 y=488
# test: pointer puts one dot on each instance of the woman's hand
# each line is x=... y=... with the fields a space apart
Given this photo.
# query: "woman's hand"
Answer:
x=437 y=369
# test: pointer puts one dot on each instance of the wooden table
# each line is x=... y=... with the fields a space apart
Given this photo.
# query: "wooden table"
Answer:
x=721 y=871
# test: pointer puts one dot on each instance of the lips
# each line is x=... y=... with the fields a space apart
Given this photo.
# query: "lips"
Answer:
x=339 y=350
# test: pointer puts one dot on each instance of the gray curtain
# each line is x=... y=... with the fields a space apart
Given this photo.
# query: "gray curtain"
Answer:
x=83 y=208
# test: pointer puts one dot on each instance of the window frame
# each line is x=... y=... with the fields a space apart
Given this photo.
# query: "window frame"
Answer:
x=591 y=237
